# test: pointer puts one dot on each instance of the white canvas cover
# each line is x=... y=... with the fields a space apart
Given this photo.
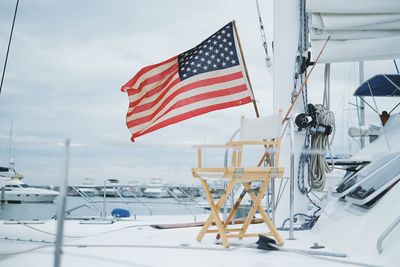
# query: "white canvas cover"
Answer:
x=360 y=29
x=261 y=128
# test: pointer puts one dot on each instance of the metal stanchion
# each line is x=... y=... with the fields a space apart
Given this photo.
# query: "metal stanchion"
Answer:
x=104 y=200
x=291 y=207
x=61 y=209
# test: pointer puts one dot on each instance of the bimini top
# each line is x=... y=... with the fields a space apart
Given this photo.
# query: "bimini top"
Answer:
x=380 y=85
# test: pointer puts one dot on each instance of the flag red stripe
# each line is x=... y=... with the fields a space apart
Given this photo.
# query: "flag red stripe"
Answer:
x=139 y=108
x=204 y=96
x=191 y=114
x=165 y=74
x=132 y=81
x=156 y=90
x=185 y=88
x=186 y=101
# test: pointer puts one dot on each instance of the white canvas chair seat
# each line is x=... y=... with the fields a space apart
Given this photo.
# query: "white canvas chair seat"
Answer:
x=264 y=132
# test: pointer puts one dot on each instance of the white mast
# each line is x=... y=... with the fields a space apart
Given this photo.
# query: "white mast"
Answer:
x=286 y=38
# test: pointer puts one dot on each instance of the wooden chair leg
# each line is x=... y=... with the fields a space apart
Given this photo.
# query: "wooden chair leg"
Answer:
x=263 y=214
x=256 y=202
x=214 y=216
x=235 y=208
x=210 y=218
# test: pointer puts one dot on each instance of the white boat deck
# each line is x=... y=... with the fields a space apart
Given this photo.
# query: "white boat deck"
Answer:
x=135 y=243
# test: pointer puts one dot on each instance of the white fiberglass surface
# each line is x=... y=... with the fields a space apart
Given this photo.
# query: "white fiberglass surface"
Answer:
x=135 y=243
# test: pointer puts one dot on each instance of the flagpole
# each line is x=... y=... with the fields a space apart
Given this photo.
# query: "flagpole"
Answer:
x=305 y=82
x=245 y=69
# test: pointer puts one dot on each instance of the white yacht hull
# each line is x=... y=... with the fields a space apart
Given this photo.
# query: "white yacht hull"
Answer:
x=91 y=192
x=156 y=193
x=33 y=195
x=109 y=192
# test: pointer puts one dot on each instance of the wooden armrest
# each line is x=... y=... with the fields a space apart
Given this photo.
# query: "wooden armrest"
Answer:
x=252 y=142
x=199 y=151
x=210 y=146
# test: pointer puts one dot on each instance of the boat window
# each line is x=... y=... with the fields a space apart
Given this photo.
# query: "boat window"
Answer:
x=375 y=183
x=24 y=185
x=371 y=170
x=12 y=186
x=372 y=202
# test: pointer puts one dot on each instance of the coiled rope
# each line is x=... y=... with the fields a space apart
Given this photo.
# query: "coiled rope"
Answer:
x=319 y=145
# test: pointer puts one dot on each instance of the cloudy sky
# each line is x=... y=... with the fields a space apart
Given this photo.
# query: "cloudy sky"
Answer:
x=68 y=60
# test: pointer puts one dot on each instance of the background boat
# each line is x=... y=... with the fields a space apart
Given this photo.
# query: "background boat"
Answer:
x=156 y=189
x=16 y=191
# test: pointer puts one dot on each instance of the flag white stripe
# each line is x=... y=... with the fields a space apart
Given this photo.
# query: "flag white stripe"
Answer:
x=187 y=94
x=203 y=76
x=151 y=73
x=180 y=97
x=147 y=88
x=197 y=105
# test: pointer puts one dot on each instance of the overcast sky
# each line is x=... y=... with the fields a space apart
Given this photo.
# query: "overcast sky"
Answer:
x=68 y=60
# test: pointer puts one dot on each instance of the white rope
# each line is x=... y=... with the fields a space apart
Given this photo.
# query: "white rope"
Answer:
x=319 y=145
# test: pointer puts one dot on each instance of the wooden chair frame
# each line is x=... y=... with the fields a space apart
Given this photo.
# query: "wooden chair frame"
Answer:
x=236 y=174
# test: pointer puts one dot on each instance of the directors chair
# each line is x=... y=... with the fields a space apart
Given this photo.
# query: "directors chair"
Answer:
x=264 y=132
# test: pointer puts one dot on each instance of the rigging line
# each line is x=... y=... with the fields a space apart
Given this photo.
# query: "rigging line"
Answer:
x=90 y=235
x=149 y=246
x=363 y=100
x=305 y=82
x=103 y=259
x=13 y=254
x=263 y=36
x=395 y=64
x=8 y=47
x=373 y=97
x=395 y=85
x=394 y=108
x=280 y=192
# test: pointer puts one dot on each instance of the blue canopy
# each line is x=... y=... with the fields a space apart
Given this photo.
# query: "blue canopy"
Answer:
x=380 y=85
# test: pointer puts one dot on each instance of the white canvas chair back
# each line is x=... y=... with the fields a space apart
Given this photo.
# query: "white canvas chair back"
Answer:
x=262 y=128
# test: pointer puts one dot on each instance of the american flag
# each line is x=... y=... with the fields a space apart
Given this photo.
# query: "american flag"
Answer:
x=208 y=77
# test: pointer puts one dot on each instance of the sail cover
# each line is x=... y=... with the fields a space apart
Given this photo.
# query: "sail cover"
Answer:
x=380 y=85
x=360 y=30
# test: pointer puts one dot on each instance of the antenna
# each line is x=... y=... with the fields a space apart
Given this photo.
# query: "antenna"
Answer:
x=10 y=148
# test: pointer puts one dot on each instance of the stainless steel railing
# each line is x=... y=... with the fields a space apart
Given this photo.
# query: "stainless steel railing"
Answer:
x=385 y=233
x=91 y=203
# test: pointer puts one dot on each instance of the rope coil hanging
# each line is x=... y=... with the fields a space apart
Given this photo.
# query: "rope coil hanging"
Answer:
x=319 y=145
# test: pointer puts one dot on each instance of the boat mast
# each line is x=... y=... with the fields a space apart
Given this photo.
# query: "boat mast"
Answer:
x=286 y=34
x=11 y=156
x=287 y=44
